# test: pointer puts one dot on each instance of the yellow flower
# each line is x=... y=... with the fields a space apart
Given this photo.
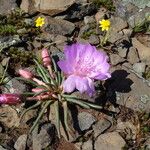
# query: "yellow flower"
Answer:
x=40 y=21
x=104 y=24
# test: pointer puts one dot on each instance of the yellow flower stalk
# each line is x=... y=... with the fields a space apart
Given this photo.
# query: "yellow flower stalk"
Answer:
x=104 y=24
x=39 y=22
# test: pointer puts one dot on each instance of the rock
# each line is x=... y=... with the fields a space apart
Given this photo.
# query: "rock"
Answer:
x=122 y=52
x=44 y=138
x=58 y=26
x=93 y=39
x=127 y=32
x=127 y=128
x=85 y=120
x=50 y=7
x=1 y=148
x=89 y=19
x=135 y=16
x=7 y=6
x=9 y=116
x=132 y=56
x=15 y=86
x=109 y=141
x=7 y=41
x=144 y=39
x=143 y=51
x=139 y=67
x=79 y=11
x=131 y=90
x=115 y=59
x=100 y=14
x=119 y=23
x=88 y=145
x=116 y=34
x=20 y=144
x=101 y=126
x=60 y=41
x=147 y=143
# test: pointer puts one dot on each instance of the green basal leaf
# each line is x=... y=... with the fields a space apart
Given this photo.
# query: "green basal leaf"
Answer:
x=42 y=70
x=28 y=109
x=56 y=105
x=27 y=81
x=46 y=104
x=65 y=108
x=78 y=102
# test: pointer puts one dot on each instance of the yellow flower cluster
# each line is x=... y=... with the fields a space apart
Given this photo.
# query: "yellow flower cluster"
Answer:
x=39 y=22
x=104 y=24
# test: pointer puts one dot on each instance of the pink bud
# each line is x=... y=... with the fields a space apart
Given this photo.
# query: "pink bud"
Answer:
x=37 y=90
x=10 y=99
x=46 y=57
x=25 y=73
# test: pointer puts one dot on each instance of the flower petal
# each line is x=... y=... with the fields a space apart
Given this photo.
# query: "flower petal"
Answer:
x=65 y=66
x=69 y=84
x=91 y=89
x=84 y=84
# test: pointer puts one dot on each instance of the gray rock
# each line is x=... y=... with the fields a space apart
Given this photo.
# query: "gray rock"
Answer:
x=118 y=24
x=122 y=51
x=147 y=143
x=7 y=41
x=88 y=145
x=116 y=33
x=93 y=39
x=20 y=144
x=79 y=11
x=139 y=67
x=59 y=26
x=143 y=51
x=14 y=86
x=50 y=7
x=7 y=6
x=101 y=126
x=109 y=141
x=85 y=120
x=138 y=3
x=89 y=19
x=127 y=128
x=1 y=148
x=44 y=138
x=132 y=56
x=100 y=14
x=131 y=90
x=115 y=59
x=115 y=36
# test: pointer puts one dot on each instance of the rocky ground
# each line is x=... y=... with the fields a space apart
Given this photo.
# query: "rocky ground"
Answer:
x=124 y=121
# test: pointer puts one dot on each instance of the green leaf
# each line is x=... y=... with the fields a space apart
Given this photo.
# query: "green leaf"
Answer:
x=78 y=102
x=56 y=105
x=42 y=70
x=46 y=104
x=28 y=109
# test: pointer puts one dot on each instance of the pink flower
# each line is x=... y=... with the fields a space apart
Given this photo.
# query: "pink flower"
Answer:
x=25 y=74
x=82 y=65
x=46 y=57
x=10 y=99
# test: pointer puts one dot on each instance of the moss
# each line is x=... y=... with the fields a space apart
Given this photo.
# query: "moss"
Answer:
x=105 y=3
x=87 y=34
x=20 y=56
x=7 y=29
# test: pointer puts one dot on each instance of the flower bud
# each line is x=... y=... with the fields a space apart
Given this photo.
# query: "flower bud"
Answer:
x=25 y=74
x=37 y=90
x=45 y=57
x=10 y=99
